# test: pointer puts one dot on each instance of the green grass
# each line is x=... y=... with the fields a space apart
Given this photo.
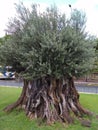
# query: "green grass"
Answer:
x=16 y=120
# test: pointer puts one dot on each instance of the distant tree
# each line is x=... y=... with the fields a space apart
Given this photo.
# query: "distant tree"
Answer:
x=2 y=42
x=95 y=68
x=4 y=38
x=47 y=50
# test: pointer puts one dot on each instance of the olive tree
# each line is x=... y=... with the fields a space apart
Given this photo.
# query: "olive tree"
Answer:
x=47 y=51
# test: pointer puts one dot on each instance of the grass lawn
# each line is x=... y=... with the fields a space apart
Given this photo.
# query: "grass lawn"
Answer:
x=16 y=120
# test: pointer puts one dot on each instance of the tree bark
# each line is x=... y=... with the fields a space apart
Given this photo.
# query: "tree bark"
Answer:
x=20 y=100
x=50 y=99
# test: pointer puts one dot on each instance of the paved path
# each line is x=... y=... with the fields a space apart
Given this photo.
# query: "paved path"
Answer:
x=81 y=88
x=10 y=83
x=86 y=89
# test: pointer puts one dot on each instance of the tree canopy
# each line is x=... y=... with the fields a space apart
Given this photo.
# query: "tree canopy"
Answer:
x=48 y=43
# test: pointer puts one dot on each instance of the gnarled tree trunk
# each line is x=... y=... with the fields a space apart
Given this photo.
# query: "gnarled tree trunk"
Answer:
x=50 y=99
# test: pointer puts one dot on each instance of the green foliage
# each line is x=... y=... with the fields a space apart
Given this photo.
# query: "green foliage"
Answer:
x=48 y=44
x=4 y=39
x=95 y=68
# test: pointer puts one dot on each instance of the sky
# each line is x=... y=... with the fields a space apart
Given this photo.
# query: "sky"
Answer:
x=90 y=7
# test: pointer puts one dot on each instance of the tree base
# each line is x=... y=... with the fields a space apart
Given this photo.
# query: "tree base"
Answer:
x=50 y=99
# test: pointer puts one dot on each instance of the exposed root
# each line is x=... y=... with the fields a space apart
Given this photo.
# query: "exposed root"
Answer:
x=51 y=100
x=20 y=100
